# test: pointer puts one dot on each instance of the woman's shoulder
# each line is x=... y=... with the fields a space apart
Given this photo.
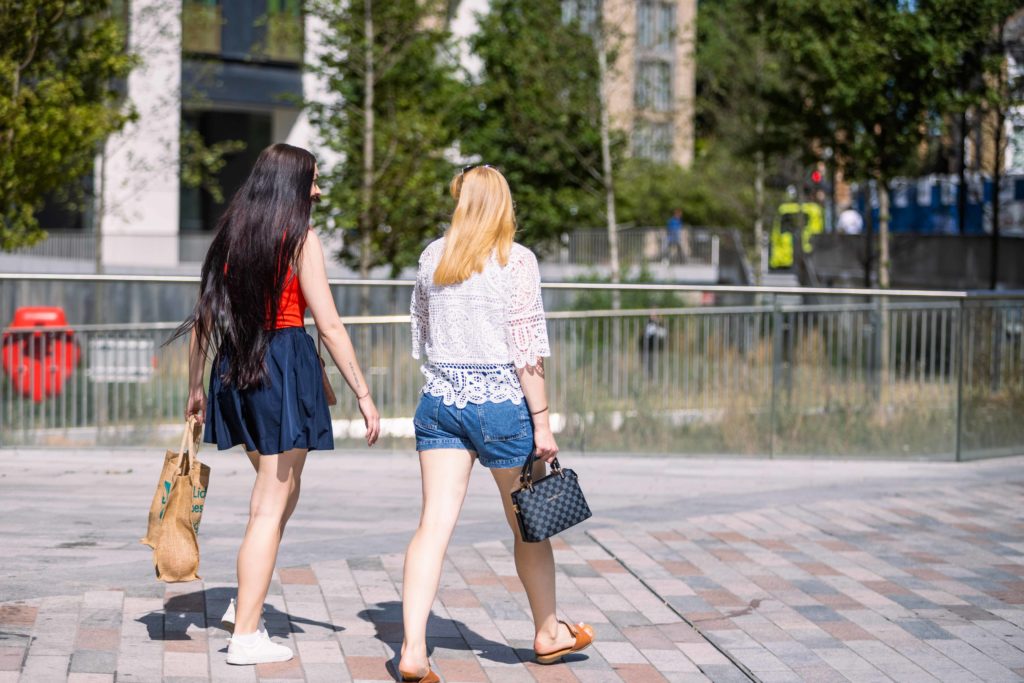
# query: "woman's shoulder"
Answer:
x=311 y=247
x=432 y=250
x=521 y=256
x=310 y=243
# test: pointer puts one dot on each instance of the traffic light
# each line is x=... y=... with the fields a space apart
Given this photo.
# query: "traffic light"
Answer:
x=816 y=177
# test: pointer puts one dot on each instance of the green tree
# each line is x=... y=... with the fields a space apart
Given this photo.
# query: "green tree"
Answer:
x=60 y=65
x=715 y=191
x=537 y=115
x=398 y=107
x=739 y=75
x=1000 y=93
x=871 y=79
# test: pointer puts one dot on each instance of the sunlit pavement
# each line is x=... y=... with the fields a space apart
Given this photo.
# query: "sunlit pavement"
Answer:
x=691 y=569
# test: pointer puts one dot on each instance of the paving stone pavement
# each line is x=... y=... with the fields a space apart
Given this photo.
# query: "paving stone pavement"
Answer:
x=921 y=587
x=858 y=572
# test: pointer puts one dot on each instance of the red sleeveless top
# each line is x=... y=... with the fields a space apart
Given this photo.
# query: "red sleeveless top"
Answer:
x=291 y=307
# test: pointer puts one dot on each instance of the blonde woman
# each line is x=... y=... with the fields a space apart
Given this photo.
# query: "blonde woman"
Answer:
x=477 y=314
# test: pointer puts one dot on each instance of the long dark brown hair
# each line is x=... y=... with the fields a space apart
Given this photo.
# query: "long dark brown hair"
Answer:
x=244 y=273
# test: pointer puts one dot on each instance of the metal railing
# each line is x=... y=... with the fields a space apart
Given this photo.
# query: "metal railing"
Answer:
x=129 y=299
x=637 y=246
x=79 y=245
x=909 y=374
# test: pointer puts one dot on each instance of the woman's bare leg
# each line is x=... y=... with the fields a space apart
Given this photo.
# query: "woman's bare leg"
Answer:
x=277 y=483
x=535 y=564
x=293 y=499
x=445 y=479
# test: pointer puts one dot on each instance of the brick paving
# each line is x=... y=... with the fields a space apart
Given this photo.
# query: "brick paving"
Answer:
x=343 y=618
x=916 y=578
x=920 y=587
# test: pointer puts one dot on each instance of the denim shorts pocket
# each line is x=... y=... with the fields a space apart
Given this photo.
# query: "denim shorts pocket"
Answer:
x=426 y=412
x=504 y=421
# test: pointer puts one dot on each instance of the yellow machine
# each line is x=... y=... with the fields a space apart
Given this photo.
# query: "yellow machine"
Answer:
x=807 y=218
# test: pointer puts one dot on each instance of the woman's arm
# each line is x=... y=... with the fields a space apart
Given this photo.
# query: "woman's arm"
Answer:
x=419 y=313
x=527 y=336
x=196 y=394
x=313 y=281
x=531 y=377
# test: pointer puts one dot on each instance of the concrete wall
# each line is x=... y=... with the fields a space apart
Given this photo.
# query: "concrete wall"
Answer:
x=138 y=171
x=921 y=261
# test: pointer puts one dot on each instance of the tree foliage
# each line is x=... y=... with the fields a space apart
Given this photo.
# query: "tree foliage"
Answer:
x=739 y=73
x=202 y=162
x=537 y=115
x=873 y=78
x=61 y=62
x=418 y=111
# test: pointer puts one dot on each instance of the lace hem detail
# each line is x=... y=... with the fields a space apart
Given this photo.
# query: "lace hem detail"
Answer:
x=528 y=341
x=459 y=384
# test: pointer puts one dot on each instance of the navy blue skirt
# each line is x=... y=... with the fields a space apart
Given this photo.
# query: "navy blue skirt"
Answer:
x=289 y=410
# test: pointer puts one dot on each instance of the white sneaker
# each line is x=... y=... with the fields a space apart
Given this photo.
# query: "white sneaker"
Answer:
x=256 y=648
x=228 y=620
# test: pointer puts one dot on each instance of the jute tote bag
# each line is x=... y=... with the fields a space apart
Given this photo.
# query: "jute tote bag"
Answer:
x=163 y=485
x=176 y=554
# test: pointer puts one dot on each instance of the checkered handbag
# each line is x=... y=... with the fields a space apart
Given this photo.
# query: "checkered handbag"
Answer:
x=549 y=505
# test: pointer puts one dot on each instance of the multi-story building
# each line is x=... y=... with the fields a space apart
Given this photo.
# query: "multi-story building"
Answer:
x=225 y=70
x=651 y=84
x=220 y=71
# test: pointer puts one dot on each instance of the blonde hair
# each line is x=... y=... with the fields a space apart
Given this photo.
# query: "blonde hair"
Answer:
x=484 y=222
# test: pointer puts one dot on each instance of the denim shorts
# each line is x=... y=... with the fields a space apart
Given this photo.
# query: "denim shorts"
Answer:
x=501 y=434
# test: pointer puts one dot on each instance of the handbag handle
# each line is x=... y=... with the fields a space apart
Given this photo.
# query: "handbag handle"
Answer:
x=526 y=474
x=190 y=438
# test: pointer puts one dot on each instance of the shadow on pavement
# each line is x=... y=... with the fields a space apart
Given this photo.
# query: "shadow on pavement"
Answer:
x=386 y=618
x=189 y=609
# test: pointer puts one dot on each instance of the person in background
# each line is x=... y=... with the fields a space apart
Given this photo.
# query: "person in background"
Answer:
x=677 y=238
x=652 y=343
x=850 y=221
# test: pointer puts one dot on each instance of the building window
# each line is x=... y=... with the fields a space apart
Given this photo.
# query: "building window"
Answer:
x=655 y=25
x=645 y=24
x=283 y=28
x=666 y=32
x=199 y=210
x=586 y=12
x=652 y=140
x=653 y=85
x=201 y=21
x=655 y=40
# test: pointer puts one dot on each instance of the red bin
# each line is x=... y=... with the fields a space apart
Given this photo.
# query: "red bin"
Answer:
x=39 y=352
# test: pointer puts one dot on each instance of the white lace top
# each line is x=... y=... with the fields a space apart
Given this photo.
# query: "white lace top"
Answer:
x=476 y=333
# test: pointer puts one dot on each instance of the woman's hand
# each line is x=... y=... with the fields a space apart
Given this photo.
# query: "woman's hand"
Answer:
x=371 y=417
x=196 y=404
x=544 y=444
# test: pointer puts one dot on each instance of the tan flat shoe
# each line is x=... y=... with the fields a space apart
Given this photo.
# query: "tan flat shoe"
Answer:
x=429 y=677
x=584 y=635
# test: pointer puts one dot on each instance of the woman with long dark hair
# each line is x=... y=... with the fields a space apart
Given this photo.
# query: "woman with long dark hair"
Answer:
x=263 y=269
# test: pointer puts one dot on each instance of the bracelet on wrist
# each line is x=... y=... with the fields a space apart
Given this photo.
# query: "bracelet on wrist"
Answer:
x=539 y=411
x=360 y=398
